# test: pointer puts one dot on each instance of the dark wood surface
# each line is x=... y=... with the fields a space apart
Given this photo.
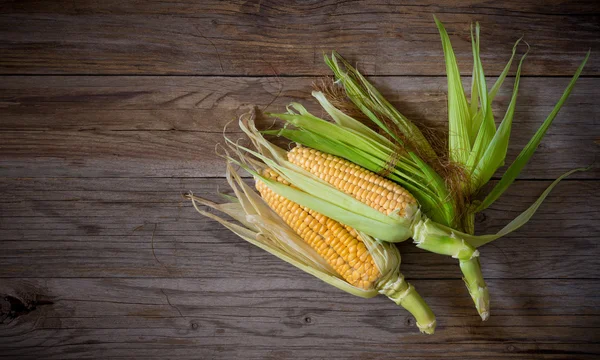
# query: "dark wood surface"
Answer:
x=283 y=37
x=110 y=109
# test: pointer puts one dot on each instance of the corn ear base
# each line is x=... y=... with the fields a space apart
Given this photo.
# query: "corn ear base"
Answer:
x=434 y=238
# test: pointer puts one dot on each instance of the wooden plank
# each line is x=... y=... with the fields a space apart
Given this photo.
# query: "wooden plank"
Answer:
x=102 y=258
x=225 y=317
x=268 y=37
x=169 y=126
x=143 y=228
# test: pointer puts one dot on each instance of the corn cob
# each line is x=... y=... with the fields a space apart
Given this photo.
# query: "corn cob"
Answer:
x=339 y=245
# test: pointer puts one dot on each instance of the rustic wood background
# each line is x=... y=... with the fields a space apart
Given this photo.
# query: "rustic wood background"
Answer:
x=110 y=109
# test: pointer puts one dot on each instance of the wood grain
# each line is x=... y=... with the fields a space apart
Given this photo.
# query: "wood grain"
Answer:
x=143 y=228
x=169 y=126
x=110 y=317
x=85 y=250
x=109 y=110
x=287 y=38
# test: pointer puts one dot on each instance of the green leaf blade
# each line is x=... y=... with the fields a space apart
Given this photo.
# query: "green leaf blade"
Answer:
x=519 y=163
x=458 y=110
x=495 y=153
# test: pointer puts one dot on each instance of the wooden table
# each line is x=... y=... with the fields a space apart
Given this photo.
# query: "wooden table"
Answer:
x=109 y=110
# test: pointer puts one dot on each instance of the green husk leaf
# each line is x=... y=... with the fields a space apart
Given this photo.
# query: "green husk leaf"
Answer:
x=474 y=103
x=478 y=89
x=495 y=153
x=444 y=203
x=370 y=101
x=346 y=121
x=485 y=129
x=502 y=76
x=333 y=131
x=459 y=115
x=520 y=220
x=515 y=168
